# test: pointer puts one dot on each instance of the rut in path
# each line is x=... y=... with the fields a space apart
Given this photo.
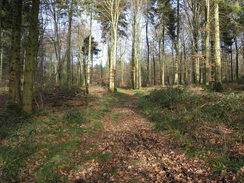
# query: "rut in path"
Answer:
x=139 y=153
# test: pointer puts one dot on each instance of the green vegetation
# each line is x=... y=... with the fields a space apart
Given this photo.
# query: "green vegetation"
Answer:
x=45 y=146
x=206 y=125
x=99 y=156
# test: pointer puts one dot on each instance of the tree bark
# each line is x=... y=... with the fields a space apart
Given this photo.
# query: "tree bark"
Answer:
x=133 y=51
x=1 y=60
x=30 y=58
x=1 y=49
x=69 y=46
x=14 y=73
x=176 y=78
x=162 y=57
x=148 y=53
x=207 y=44
x=218 y=77
x=121 y=65
x=85 y=72
x=154 y=71
x=57 y=46
x=231 y=65
x=139 y=56
x=89 y=53
x=237 y=59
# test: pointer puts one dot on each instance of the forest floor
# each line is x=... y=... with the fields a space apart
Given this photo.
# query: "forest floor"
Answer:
x=100 y=138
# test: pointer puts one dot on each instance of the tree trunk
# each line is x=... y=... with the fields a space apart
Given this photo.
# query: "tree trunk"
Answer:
x=195 y=33
x=1 y=47
x=231 y=65
x=176 y=78
x=80 y=67
x=133 y=52
x=139 y=56
x=1 y=60
x=89 y=53
x=185 y=80
x=113 y=46
x=121 y=65
x=14 y=73
x=50 y=68
x=218 y=77
x=154 y=71
x=72 y=69
x=176 y=64
x=148 y=53
x=85 y=72
x=111 y=64
x=162 y=57
x=69 y=46
x=237 y=59
x=30 y=58
x=101 y=68
x=207 y=44
x=57 y=47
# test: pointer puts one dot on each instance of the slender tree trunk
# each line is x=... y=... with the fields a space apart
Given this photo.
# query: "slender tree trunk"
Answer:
x=121 y=65
x=185 y=80
x=176 y=64
x=173 y=63
x=72 y=69
x=154 y=71
x=237 y=59
x=162 y=57
x=1 y=46
x=133 y=52
x=195 y=33
x=148 y=53
x=115 y=56
x=218 y=77
x=176 y=78
x=50 y=67
x=80 y=67
x=196 y=75
x=101 y=67
x=207 y=44
x=57 y=47
x=40 y=65
x=1 y=60
x=85 y=72
x=111 y=64
x=139 y=55
x=113 y=49
x=163 y=60
x=231 y=65
x=30 y=58
x=77 y=73
x=89 y=52
x=14 y=74
x=69 y=45
x=80 y=58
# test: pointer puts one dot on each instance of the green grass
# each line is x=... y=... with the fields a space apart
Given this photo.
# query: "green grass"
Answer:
x=48 y=141
x=134 y=162
x=101 y=157
x=116 y=116
x=190 y=118
x=97 y=126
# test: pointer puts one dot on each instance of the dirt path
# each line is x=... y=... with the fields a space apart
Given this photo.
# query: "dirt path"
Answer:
x=134 y=152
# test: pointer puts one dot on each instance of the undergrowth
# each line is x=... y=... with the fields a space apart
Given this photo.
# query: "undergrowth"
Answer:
x=207 y=125
x=45 y=147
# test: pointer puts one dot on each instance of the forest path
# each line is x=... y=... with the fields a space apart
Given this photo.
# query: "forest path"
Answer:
x=132 y=151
